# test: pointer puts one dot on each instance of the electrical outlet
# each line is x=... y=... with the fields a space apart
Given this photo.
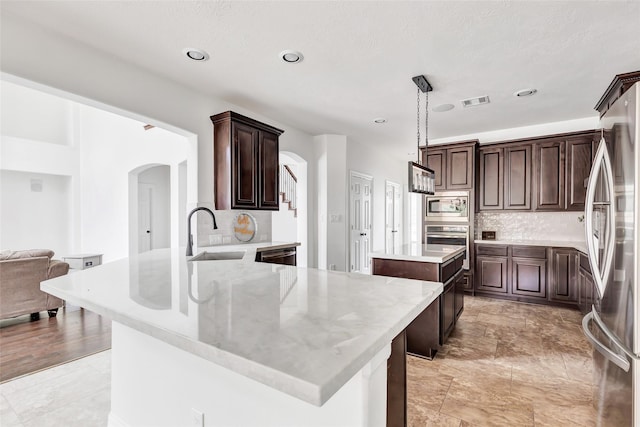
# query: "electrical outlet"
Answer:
x=263 y=237
x=215 y=239
x=226 y=240
x=197 y=418
x=332 y=266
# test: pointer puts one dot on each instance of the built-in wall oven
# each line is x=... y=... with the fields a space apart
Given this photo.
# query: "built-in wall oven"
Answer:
x=447 y=206
x=454 y=234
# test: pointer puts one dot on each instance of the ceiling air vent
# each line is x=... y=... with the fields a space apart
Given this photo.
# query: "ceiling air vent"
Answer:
x=473 y=102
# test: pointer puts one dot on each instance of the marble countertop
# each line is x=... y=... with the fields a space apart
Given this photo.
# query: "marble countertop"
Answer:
x=302 y=331
x=575 y=244
x=423 y=253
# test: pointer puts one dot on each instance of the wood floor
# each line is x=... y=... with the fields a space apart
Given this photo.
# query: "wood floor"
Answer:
x=27 y=347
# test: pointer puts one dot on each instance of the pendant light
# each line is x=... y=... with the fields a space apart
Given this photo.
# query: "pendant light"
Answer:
x=422 y=179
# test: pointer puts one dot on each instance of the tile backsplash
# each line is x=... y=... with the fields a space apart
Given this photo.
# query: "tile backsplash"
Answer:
x=207 y=236
x=564 y=226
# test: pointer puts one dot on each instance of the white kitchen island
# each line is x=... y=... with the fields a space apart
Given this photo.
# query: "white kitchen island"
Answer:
x=236 y=342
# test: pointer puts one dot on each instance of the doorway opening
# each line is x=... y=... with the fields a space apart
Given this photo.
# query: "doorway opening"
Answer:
x=290 y=223
x=152 y=204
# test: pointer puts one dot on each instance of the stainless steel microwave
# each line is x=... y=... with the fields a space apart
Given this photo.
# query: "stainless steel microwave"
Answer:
x=447 y=206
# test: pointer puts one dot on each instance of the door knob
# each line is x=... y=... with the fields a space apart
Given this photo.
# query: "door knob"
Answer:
x=363 y=234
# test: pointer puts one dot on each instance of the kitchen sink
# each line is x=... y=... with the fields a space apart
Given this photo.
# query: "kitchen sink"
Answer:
x=218 y=256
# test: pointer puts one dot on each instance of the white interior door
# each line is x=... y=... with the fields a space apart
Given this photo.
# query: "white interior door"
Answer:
x=360 y=222
x=393 y=217
x=145 y=194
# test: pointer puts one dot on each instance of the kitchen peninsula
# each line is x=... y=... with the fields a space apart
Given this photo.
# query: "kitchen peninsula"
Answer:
x=237 y=342
x=438 y=263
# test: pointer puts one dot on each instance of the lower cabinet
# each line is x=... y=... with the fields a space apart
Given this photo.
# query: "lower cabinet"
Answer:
x=586 y=286
x=534 y=274
x=285 y=256
x=529 y=277
x=397 y=382
x=563 y=280
x=491 y=274
x=462 y=281
x=448 y=309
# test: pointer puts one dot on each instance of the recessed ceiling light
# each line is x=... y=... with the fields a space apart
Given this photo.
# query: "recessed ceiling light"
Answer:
x=291 y=56
x=195 y=54
x=442 y=108
x=380 y=120
x=525 y=92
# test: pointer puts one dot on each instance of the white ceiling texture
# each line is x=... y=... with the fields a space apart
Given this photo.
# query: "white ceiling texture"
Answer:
x=359 y=57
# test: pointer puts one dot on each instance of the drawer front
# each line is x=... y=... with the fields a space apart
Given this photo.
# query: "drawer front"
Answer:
x=539 y=252
x=460 y=260
x=447 y=270
x=496 y=250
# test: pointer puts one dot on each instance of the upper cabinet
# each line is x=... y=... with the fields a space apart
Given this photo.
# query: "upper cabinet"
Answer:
x=453 y=164
x=549 y=175
x=245 y=158
x=517 y=177
x=546 y=173
x=490 y=194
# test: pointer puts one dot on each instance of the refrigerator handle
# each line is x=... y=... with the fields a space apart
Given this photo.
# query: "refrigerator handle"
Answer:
x=600 y=271
x=620 y=360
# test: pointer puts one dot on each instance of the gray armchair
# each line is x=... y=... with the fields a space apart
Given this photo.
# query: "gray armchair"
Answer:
x=20 y=275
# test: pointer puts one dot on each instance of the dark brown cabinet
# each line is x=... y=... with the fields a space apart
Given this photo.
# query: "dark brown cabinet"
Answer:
x=436 y=159
x=397 y=382
x=448 y=309
x=580 y=154
x=245 y=156
x=517 y=177
x=453 y=164
x=549 y=176
x=529 y=277
x=563 y=280
x=536 y=274
x=491 y=268
x=515 y=272
x=490 y=193
x=284 y=256
x=423 y=339
x=586 y=286
x=547 y=173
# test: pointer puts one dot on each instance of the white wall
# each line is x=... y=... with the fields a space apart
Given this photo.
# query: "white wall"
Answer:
x=33 y=115
x=382 y=167
x=104 y=81
x=111 y=147
x=331 y=199
x=39 y=219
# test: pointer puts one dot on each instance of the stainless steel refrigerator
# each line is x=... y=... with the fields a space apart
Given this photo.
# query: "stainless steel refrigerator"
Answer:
x=612 y=215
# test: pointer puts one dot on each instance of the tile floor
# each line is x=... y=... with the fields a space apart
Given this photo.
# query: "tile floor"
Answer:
x=506 y=364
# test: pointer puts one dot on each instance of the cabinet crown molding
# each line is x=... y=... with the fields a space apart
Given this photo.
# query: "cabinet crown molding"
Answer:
x=239 y=118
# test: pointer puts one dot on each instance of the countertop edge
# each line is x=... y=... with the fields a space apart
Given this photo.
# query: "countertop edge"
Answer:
x=577 y=245
x=418 y=258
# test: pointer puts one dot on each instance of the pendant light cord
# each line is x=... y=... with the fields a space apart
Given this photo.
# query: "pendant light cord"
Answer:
x=418 y=125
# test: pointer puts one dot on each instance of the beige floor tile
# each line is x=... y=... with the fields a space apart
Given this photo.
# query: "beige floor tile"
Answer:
x=579 y=368
x=503 y=411
x=565 y=416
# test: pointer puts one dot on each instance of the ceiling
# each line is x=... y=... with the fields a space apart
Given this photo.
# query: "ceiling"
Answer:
x=359 y=57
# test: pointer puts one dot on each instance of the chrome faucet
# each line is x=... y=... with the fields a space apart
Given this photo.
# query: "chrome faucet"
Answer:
x=190 y=242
